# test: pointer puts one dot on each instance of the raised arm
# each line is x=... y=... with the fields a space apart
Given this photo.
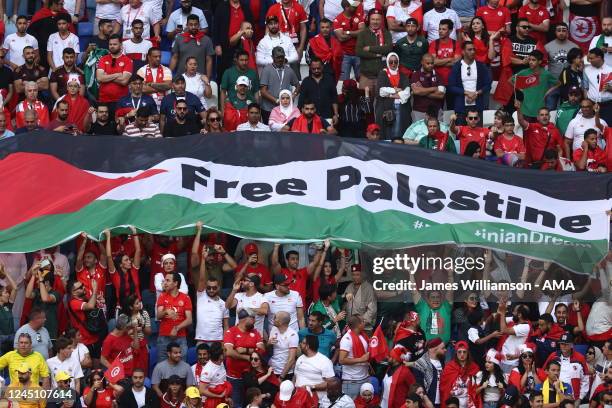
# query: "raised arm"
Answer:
x=195 y=247
x=137 y=248
x=81 y=252
x=109 y=252
x=203 y=276
x=274 y=264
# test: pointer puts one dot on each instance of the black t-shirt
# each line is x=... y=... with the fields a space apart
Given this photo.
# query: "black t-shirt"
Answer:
x=109 y=129
x=6 y=77
x=522 y=48
x=322 y=93
x=175 y=129
x=100 y=43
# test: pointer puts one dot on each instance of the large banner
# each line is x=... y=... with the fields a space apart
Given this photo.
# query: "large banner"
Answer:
x=295 y=187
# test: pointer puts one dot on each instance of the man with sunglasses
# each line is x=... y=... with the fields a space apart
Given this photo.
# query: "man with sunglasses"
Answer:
x=244 y=295
x=183 y=123
x=538 y=19
x=283 y=299
x=470 y=84
x=79 y=304
x=471 y=132
x=213 y=316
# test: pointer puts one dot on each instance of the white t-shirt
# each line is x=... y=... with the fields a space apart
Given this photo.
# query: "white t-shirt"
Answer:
x=167 y=76
x=288 y=303
x=251 y=302
x=156 y=6
x=607 y=40
x=70 y=7
x=515 y=341
x=311 y=371
x=213 y=374
x=143 y=13
x=137 y=52
x=431 y=22
x=353 y=372
x=579 y=125
x=280 y=351
x=436 y=363
x=79 y=352
x=211 y=313
x=196 y=86
x=70 y=365
x=14 y=45
x=401 y=14
x=594 y=80
x=110 y=11
x=468 y=76
x=57 y=44
x=386 y=389
x=177 y=18
x=139 y=396
x=332 y=8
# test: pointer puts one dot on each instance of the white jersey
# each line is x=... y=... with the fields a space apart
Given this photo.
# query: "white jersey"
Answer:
x=210 y=315
x=288 y=303
x=251 y=302
x=57 y=44
x=14 y=45
x=280 y=350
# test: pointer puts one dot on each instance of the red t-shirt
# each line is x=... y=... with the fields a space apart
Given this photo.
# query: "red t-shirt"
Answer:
x=113 y=345
x=482 y=50
x=105 y=398
x=86 y=278
x=444 y=49
x=112 y=91
x=513 y=145
x=466 y=134
x=344 y=23
x=238 y=338
x=535 y=137
x=236 y=19
x=181 y=304
x=495 y=18
x=536 y=16
x=76 y=308
x=595 y=158
x=300 y=281
x=289 y=20
x=260 y=270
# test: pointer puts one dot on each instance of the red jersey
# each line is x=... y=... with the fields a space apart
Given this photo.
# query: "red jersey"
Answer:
x=260 y=270
x=482 y=50
x=445 y=48
x=180 y=304
x=495 y=18
x=105 y=398
x=595 y=158
x=85 y=277
x=41 y=111
x=344 y=23
x=112 y=91
x=299 y=281
x=466 y=134
x=236 y=19
x=536 y=137
x=289 y=20
x=535 y=16
x=76 y=309
x=121 y=346
x=512 y=145
x=238 y=338
x=301 y=398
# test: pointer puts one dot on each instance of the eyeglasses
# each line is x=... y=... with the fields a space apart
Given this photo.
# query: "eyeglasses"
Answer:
x=524 y=27
x=393 y=62
x=472 y=118
x=214 y=119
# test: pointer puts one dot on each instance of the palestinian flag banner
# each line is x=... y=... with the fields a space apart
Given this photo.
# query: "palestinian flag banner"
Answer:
x=295 y=187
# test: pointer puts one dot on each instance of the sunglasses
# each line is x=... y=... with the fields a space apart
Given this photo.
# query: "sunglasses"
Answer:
x=393 y=62
x=472 y=118
x=469 y=71
x=214 y=119
x=254 y=358
x=472 y=297
x=590 y=352
x=212 y=287
x=524 y=27
x=527 y=355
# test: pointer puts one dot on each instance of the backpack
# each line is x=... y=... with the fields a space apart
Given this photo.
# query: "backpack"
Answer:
x=89 y=69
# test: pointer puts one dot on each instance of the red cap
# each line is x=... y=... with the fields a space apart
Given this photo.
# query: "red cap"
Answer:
x=250 y=249
x=412 y=317
x=397 y=352
x=372 y=127
x=435 y=342
x=356 y=268
x=461 y=345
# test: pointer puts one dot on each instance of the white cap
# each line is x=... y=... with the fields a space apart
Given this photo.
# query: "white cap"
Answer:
x=492 y=356
x=168 y=256
x=366 y=387
x=354 y=3
x=286 y=390
x=243 y=80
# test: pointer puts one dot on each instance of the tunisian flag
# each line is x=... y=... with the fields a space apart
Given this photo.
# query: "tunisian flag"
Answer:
x=115 y=372
x=451 y=372
x=378 y=345
x=583 y=29
x=526 y=81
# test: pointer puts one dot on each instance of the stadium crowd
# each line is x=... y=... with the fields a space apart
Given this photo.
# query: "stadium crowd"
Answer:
x=215 y=321
x=493 y=80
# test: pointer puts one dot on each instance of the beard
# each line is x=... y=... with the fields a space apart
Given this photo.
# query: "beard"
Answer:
x=249 y=326
x=186 y=9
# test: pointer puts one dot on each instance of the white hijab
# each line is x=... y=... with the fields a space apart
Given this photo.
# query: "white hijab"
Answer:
x=392 y=71
x=289 y=109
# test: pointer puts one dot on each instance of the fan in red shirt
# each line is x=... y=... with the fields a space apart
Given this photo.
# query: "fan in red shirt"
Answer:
x=174 y=309
x=496 y=17
x=120 y=344
x=292 y=21
x=290 y=396
x=445 y=50
x=539 y=19
x=590 y=157
x=78 y=305
x=240 y=342
x=252 y=266
x=508 y=147
x=100 y=390
x=346 y=27
x=114 y=72
x=470 y=133
x=123 y=270
x=299 y=277
x=539 y=136
x=89 y=268
x=329 y=276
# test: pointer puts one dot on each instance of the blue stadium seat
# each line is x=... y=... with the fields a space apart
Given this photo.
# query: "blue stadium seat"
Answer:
x=165 y=58
x=192 y=355
x=581 y=348
x=147 y=382
x=152 y=359
x=85 y=29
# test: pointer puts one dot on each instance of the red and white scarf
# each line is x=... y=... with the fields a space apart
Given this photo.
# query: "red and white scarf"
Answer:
x=159 y=78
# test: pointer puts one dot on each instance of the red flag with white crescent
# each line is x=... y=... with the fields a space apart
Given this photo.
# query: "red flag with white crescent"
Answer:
x=115 y=372
x=526 y=81
x=583 y=29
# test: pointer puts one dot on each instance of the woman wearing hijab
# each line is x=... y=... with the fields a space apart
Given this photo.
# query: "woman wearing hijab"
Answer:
x=366 y=397
x=393 y=100
x=284 y=112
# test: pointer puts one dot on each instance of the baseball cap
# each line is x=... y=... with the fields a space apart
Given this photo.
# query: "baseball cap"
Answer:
x=23 y=368
x=373 y=127
x=354 y=3
x=243 y=80
x=136 y=77
x=253 y=278
x=278 y=52
x=271 y=18
x=192 y=392
x=510 y=395
x=461 y=345
x=222 y=405
x=412 y=20
x=567 y=338
x=280 y=279
x=62 y=376
x=286 y=389
x=243 y=314
x=178 y=78
x=574 y=89
x=250 y=249
x=435 y=342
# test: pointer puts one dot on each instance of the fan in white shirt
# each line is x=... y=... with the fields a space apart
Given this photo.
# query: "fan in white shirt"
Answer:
x=137 y=47
x=64 y=361
x=212 y=315
x=15 y=43
x=213 y=374
x=249 y=299
x=136 y=10
x=59 y=41
x=313 y=369
x=284 y=300
x=253 y=123
x=274 y=38
x=431 y=20
x=284 y=342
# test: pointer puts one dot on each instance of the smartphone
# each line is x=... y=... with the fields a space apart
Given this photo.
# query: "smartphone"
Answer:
x=179 y=27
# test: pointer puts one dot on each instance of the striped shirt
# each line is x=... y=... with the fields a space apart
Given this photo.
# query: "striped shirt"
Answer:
x=150 y=130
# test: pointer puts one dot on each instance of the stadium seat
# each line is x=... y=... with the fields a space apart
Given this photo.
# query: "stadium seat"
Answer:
x=553 y=116
x=581 y=348
x=85 y=29
x=165 y=58
x=91 y=4
x=488 y=117
x=192 y=355
x=517 y=128
x=214 y=99
x=152 y=359
x=447 y=115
